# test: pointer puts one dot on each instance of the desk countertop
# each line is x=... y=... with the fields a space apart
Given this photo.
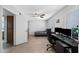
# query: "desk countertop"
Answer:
x=65 y=39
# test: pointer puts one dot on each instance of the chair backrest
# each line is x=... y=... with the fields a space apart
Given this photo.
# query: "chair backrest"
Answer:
x=49 y=36
x=48 y=32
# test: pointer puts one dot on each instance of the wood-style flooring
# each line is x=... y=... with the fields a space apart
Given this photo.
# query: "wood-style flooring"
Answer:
x=34 y=45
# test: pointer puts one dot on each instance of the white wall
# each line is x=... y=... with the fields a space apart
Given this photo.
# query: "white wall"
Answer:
x=37 y=25
x=73 y=19
x=5 y=28
x=21 y=35
x=19 y=26
x=63 y=15
x=51 y=24
x=1 y=44
x=0 y=17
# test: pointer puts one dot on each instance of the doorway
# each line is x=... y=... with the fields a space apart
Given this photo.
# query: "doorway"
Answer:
x=8 y=29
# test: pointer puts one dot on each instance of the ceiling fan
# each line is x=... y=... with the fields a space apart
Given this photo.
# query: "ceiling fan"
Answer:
x=37 y=14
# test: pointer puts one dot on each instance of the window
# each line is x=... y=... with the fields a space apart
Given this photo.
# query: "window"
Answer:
x=2 y=22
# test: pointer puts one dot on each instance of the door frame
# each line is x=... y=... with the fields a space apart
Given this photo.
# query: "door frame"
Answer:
x=14 y=29
x=28 y=28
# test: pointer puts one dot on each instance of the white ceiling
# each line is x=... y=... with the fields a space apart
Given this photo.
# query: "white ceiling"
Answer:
x=7 y=13
x=48 y=10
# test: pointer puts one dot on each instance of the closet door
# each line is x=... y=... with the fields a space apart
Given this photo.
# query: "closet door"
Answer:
x=10 y=28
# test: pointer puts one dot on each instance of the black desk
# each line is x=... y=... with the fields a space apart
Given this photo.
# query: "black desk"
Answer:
x=66 y=40
x=62 y=48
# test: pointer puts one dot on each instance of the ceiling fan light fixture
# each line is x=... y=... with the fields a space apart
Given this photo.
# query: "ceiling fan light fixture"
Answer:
x=42 y=16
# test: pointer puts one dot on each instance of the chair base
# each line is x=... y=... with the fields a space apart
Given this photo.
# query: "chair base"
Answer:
x=51 y=46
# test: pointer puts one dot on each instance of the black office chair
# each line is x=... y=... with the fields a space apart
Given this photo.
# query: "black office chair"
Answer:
x=51 y=40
